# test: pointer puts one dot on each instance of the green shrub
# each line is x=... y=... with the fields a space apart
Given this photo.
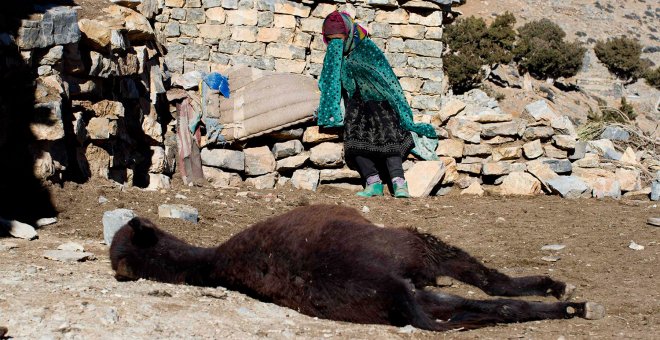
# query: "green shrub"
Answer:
x=614 y=115
x=463 y=70
x=474 y=44
x=653 y=77
x=542 y=51
x=622 y=57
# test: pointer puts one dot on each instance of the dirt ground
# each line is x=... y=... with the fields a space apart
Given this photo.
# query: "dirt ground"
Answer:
x=45 y=299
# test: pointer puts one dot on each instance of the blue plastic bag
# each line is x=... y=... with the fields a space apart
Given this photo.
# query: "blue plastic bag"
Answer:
x=218 y=82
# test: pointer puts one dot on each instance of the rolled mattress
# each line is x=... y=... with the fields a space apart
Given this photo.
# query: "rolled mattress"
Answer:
x=266 y=104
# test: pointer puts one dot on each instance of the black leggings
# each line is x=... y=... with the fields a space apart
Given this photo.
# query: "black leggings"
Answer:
x=367 y=167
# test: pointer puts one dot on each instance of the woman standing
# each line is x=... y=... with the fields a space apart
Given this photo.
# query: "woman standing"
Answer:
x=360 y=91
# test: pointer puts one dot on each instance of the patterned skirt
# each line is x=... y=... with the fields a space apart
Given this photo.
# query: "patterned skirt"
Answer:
x=372 y=128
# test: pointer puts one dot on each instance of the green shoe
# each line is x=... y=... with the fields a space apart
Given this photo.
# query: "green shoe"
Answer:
x=401 y=191
x=375 y=189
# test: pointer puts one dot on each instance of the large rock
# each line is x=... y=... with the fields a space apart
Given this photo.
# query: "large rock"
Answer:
x=465 y=129
x=338 y=174
x=538 y=132
x=515 y=127
x=327 y=155
x=58 y=25
x=615 y=133
x=473 y=189
x=589 y=160
x=179 y=211
x=259 y=161
x=224 y=159
x=68 y=255
x=307 y=179
x=603 y=182
x=315 y=134
x=451 y=170
x=629 y=157
x=286 y=149
x=221 y=179
x=604 y=147
x=113 y=220
x=423 y=177
x=507 y=153
x=266 y=181
x=520 y=183
x=569 y=187
x=533 y=149
x=98 y=32
x=564 y=126
x=560 y=166
x=542 y=171
x=539 y=111
x=452 y=108
x=158 y=182
x=490 y=116
x=470 y=168
x=479 y=150
x=450 y=148
x=629 y=179
x=293 y=162
x=495 y=168
x=553 y=152
x=564 y=142
x=18 y=229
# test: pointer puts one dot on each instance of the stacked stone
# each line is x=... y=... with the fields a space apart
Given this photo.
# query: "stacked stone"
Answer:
x=534 y=153
x=104 y=76
x=481 y=149
x=284 y=36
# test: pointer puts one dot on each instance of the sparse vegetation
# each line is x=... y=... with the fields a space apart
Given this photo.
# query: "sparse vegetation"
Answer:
x=474 y=44
x=621 y=56
x=542 y=51
x=653 y=77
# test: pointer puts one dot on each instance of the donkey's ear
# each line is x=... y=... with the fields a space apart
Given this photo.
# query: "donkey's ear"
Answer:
x=144 y=232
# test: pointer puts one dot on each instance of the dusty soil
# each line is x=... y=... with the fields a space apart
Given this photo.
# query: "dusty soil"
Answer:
x=49 y=299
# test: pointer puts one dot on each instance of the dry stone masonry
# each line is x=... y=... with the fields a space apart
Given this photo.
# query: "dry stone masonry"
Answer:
x=111 y=83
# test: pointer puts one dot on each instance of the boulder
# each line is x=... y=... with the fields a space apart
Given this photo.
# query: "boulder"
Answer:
x=98 y=32
x=579 y=151
x=224 y=159
x=307 y=179
x=569 y=187
x=266 y=181
x=465 y=129
x=520 y=183
x=615 y=133
x=221 y=179
x=327 y=155
x=553 y=152
x=451 y=171
x=452 y=108
x=56 y=26
x=328 y=175
x=423 y=177
x=470 y=168
x=315 y=134
x=259 y=161
x=564 y=126
x=293 y=162
x=450 y=148
x=542 y=172
x=629 y=157
x=479 y=150
x=560 y=166
x=507 y=153
x=564 y=142
x=629 y=179
x=515 y=127
x=158 y=182
x=495 y=168
x=539 y=111
x=589 y=160
x=538 y=132
x=533 y=149
x=113 y=220
x=286 y=149
x=473 y=189
x=179 y=211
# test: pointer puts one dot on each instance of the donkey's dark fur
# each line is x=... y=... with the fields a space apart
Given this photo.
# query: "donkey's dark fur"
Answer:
x=329 y=261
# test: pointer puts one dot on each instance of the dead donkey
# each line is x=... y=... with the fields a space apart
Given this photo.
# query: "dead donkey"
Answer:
x=330 y=262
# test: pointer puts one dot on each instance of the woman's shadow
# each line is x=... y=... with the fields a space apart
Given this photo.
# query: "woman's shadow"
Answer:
x=23 y=196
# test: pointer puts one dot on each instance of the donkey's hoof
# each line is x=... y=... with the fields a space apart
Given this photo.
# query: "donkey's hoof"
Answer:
x=568 y=292
x=593 y=311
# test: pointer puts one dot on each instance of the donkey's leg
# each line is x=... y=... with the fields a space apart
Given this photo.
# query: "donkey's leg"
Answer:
x=446 y=260
x=456 y=312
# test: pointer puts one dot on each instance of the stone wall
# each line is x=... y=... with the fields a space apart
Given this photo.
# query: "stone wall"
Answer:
x=98 y=95
x=284 y=36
